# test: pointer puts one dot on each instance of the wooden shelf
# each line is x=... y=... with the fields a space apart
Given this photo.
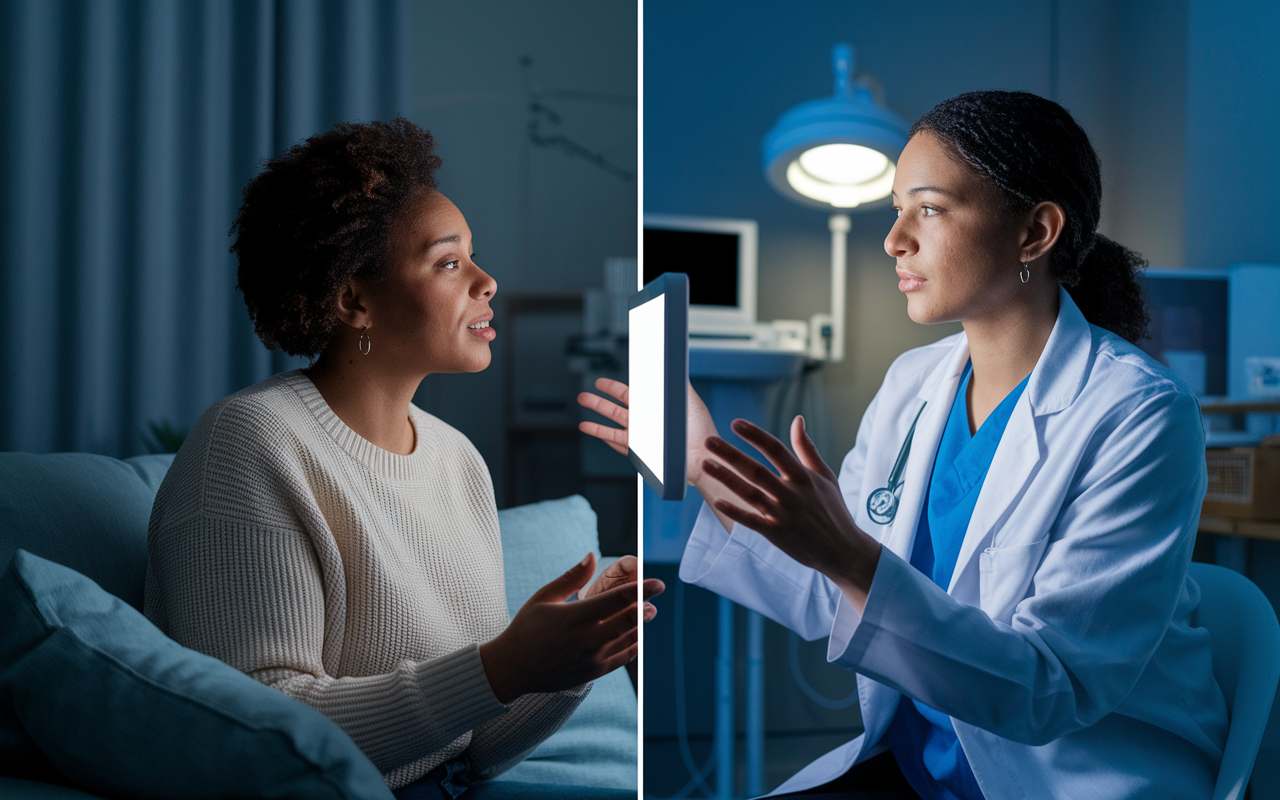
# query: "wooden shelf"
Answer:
x=1252 y=529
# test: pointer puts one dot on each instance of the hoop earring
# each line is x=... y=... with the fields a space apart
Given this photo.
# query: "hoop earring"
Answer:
x=364 y=342
x=1025 y=274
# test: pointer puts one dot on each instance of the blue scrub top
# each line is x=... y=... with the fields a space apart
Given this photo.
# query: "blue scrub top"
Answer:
x=922 y=739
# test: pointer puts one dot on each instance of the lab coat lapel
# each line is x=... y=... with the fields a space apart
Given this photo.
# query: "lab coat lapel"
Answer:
x=938 y=391
x=1055 y=381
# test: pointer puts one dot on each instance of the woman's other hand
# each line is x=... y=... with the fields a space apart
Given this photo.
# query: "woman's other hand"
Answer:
x=698 y=424
x=552 y=645
x=801 y=510
x=623 y=571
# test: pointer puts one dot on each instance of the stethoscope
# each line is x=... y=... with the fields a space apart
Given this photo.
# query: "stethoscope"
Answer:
x=882 y=505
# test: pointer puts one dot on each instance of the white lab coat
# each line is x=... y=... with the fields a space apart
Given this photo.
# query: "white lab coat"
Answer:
x=1062 y=650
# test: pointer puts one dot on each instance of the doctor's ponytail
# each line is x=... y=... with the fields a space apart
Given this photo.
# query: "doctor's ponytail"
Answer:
x=1033 y=151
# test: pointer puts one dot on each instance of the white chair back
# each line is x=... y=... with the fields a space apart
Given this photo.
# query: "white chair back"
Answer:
x=1246 y=662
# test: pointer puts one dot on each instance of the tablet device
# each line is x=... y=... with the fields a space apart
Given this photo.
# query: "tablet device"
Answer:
x=658 y=371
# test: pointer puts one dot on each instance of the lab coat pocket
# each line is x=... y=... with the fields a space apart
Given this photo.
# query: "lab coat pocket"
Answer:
x=1005 y=575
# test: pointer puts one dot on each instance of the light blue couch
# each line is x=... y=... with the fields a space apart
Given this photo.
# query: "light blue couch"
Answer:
x=90 y=690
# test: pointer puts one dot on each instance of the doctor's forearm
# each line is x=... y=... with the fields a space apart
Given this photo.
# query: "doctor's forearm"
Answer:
x=711 y=491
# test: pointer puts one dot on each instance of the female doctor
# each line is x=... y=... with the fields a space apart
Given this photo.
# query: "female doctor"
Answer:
x=1003 y=557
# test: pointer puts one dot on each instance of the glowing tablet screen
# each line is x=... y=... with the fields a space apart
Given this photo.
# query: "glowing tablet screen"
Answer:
x=658 y=369
x=645 y=378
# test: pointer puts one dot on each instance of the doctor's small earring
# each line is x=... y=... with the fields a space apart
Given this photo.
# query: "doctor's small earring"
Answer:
x=1025 y=274
x=366 y=344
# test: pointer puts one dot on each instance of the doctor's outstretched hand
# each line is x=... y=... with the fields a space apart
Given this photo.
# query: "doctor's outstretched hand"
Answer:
x=801 y=510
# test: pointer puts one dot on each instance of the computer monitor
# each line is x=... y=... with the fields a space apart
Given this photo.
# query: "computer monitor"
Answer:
x=1254 y=339
x=658 y=371
x=1189 y=325
x=718 y=255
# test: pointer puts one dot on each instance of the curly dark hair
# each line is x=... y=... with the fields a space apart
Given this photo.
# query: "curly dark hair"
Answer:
x=319 y=215
x=1033 y=151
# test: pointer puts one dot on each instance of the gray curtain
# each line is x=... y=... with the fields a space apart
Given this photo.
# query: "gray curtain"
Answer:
x=129 y=130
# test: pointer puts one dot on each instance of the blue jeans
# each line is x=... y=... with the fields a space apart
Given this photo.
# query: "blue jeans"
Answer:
x=446 y=782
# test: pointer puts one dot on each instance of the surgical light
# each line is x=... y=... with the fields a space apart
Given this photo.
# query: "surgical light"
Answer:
x=842 y=163
x=837 y=152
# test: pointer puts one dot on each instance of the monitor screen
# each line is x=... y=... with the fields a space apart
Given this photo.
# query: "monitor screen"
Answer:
x=658 y=371
x=719 y=257
x=709 y=258
x=1189 y=320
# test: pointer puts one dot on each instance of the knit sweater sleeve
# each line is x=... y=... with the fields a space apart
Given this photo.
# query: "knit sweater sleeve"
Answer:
x=235 y=571
x=502 y=742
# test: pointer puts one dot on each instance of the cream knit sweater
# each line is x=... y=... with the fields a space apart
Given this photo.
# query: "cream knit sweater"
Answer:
x=353 y=579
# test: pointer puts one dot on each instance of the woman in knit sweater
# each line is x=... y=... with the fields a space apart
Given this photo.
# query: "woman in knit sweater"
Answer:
x=324 y=535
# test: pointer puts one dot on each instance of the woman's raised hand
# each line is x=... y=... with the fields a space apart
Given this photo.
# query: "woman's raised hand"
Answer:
x=698 y=424
x=801 y=510
x=553 y=645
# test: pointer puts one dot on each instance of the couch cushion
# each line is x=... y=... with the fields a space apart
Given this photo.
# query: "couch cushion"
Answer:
x=597 y=746
x=86 y=511
x=120 y=709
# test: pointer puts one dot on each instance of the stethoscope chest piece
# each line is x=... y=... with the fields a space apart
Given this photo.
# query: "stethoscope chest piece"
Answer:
x=882 y=504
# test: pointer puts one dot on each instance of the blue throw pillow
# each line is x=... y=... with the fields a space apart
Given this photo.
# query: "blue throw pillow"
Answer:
x=121 y=709
x=86 y=511
x=597 y=746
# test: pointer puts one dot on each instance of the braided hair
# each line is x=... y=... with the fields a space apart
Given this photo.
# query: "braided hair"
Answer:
x=1033 y=151
x=320 y=214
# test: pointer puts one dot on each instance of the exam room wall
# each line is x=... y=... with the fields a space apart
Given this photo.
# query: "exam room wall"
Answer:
x=1232 y=115
x=718 y=75
x=542 y=221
